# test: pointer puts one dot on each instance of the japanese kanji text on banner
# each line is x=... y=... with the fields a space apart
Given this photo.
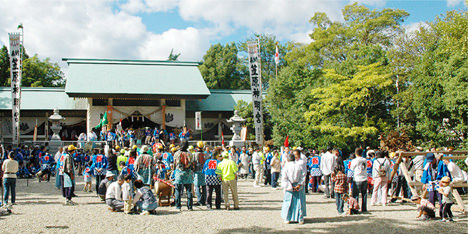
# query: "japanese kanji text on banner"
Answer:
x=256 y=85
x=198 y=124
x=15 y=74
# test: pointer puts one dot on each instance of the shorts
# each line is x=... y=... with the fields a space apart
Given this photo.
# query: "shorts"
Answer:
x=87 y=179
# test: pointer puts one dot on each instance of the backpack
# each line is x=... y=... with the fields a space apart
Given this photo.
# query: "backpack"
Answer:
x=184 y=163
x=200 y=160
x=382 y=169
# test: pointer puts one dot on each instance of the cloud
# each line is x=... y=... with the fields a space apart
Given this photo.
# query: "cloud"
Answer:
x=94 y=29
x=414 y=27
x=148 y=6
x=378 y=3
x=114 y=28
x=453 y=3
x=189 y=42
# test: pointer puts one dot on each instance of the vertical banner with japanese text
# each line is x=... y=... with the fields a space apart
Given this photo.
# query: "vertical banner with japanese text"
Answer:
x=256 y=86
x=15 y=74
x=198 y=124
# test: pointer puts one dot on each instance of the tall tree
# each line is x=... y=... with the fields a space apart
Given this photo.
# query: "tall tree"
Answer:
x=347 y=64
x=4 y=66
x=41 y=73
x=434 y=71
x=220 y=68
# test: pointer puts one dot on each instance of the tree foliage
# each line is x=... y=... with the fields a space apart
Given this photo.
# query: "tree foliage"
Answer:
x=435 y=75
x=220 y=68
x=347 y=94
x=36 y=72
x=246 y=111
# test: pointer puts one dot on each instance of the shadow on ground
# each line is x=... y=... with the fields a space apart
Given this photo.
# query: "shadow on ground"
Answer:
x=360 y=224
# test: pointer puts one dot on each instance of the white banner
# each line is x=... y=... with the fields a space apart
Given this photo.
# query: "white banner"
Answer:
x=256 y=86
x=198 y=124
x=15 y=74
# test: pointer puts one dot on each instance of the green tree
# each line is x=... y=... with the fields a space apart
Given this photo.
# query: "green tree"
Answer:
x=220 y=68
x=41 y=73
x=352 y=110
x=246 y=111
x=434 y=69
x=345 y=64
x=287 y=100
x=4 y=66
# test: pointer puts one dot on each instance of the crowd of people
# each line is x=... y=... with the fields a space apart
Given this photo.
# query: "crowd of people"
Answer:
x=130 y=178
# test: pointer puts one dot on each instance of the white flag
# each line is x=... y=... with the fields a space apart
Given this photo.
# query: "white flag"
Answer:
x=277 y=55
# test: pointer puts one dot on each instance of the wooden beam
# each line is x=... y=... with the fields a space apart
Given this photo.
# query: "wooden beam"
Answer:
x=458 y=199
x=408 y=178
x=395 y=166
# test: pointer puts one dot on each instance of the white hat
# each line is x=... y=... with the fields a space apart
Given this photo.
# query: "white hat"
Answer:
x=109 y=174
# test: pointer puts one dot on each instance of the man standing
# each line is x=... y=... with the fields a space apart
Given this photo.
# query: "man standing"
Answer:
x=227 y=170
x=267 y=166
x=359 y=167
x=183 y=176
x=9 y=168
x=199 y=178
x=327 y=165
x=58 y=180
x=68 y=172
x=257 y=159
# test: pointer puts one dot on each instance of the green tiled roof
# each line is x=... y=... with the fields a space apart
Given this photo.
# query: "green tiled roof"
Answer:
x=40 y=99
x=134 y=78
x=219 y=100
x=51 y=98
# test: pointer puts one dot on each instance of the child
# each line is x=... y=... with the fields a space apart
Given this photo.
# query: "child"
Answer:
x=447 y=199
x=87 y=173
x=352 y=204
x=124 y=170
x=425 y=208
x=126 y=194
x=339 y=177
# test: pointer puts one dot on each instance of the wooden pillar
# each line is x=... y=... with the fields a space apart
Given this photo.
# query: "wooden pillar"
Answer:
x=46 y=127
x=163 y=103
x=408 y=179
x=219 y=126
x=109 y=113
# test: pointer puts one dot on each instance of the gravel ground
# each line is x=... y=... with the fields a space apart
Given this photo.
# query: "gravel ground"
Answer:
x=40 y=209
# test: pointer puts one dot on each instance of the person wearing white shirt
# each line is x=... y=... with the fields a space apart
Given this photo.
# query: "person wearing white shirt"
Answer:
x=9 y=168
x=114 y=194
x=293 y=181
x=327 y=165
x=359 y=167
x=455 y=171
x=380 y=174
x=257 y=163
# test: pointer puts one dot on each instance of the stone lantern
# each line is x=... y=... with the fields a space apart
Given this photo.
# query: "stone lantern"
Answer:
x=236 y=128
x=55 y=141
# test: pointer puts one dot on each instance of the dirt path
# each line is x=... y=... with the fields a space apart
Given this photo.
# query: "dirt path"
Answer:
x=40 y=210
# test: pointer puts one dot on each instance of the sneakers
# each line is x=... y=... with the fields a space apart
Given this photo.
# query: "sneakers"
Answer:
x=70 y=203
x=444 y=220
x=145 y=213
x=301 y=222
